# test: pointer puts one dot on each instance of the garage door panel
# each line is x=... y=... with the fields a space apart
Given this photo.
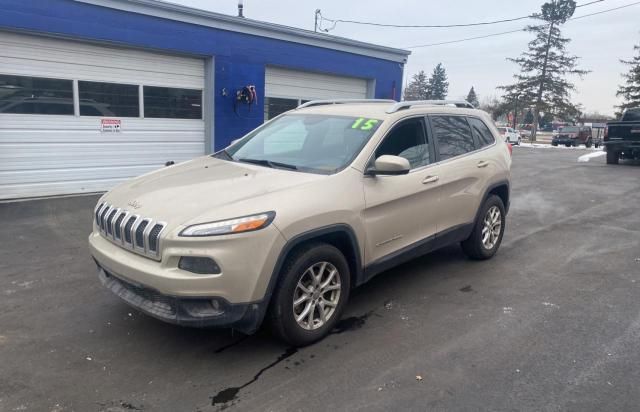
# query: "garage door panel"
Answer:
x=81 y=136
x=58 y=188
x=77 y=174
x=287 y=83
x=55 y=157
x=43 y=155
x=21 y=55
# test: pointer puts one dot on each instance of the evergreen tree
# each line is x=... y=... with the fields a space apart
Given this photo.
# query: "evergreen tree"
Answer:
x=473 y=98
x=438 y=84
x=630 y=90
x=418 y=88
x=544 y=67
x=528 y=118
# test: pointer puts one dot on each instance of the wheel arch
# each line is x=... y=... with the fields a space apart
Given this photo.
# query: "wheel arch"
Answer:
x=502 y=189
x=341 y=236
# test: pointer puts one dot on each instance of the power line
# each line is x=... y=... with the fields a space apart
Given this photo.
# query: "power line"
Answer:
x=605 y=11
x=485 y=23
x=519 y=30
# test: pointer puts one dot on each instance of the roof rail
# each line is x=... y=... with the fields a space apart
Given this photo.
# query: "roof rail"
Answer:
x=343 y=101
x=408 y=104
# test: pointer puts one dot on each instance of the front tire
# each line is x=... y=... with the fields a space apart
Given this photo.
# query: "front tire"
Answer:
x=311 y=294
x=613 y=157
x=487 y=232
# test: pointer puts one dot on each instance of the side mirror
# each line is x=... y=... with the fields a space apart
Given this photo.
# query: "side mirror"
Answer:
x=388 y=165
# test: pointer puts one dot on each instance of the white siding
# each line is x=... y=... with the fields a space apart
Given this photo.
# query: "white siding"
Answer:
x=43 y=155
x=309 y=86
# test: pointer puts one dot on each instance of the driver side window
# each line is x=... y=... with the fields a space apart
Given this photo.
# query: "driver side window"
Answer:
x=407 y=139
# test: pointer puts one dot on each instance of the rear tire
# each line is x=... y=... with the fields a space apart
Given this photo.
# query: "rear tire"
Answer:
x=588 y=144
x=486 y=236
x=299 y=281
x=613 y=157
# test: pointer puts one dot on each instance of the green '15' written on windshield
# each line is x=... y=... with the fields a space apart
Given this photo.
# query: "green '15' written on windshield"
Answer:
x=364 y=124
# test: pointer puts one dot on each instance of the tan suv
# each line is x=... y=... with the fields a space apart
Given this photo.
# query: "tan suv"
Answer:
x=287 y=220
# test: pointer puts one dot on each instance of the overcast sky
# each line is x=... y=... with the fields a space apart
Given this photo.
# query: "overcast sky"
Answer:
x=599 y=40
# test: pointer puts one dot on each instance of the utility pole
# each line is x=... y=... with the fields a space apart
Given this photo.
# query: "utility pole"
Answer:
x=315 y=26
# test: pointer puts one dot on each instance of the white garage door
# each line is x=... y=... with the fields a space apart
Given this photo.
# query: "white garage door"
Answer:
x=285 y=89
x=78 y=117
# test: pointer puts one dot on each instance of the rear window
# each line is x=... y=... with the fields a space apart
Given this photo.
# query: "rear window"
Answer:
x=481 y=132
x=570 y=129
x=631 y=115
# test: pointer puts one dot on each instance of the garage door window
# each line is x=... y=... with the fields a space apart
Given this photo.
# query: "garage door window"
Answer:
x=108 y=99
x=172 y=103
x=275 y=106
x=35 y=95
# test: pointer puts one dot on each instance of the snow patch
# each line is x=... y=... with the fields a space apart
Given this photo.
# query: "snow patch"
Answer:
x=589 y=156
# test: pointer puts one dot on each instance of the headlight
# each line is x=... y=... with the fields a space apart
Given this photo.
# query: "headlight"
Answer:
x=235 y=225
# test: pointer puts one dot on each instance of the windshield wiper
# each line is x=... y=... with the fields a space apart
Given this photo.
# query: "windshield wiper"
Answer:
x=269 y=163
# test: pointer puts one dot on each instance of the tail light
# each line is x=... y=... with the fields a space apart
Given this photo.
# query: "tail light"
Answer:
x=510 y=147
x=606 y=132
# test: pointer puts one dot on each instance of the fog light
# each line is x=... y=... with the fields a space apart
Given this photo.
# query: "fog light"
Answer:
x=199 y=265
x=199 y=308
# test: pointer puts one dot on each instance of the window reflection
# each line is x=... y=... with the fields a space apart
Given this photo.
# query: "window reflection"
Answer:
x=35 y=95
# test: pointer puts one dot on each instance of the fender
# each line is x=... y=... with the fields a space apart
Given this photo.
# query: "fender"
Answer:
x=298 y=240
x=486 y=195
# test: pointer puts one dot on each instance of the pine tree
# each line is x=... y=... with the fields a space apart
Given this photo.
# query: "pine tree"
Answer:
x=528 y=118
x=418 y=88
x=630 y=90
x=473 y=98
x=544 y=67
x=438 y=84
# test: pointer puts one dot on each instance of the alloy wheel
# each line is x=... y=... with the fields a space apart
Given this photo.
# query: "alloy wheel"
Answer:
x=492 y=227
x=316 y=295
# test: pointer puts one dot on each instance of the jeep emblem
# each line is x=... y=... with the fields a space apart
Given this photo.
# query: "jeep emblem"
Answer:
x=134 y=204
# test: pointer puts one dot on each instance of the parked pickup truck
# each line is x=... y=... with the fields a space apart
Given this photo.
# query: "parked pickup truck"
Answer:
x=622 y=138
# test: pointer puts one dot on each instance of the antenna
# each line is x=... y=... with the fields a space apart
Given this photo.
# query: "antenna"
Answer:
x=240 y=8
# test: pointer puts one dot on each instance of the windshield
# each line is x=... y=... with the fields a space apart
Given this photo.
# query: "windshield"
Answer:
x=502 y=129
x=309 y=143
x=570 y=129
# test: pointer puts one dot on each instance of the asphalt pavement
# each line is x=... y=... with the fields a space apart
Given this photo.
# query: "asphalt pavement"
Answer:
x=551 y=323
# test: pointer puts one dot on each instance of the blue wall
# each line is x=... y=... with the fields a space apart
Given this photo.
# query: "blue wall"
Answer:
x=240 y=59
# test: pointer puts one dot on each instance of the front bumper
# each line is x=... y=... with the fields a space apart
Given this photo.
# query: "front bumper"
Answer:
x=185 y=311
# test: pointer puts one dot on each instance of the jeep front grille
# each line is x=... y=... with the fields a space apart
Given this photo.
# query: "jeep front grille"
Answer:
x=133 y=232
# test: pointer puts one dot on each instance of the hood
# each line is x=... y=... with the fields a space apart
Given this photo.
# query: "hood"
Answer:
x=200 y=188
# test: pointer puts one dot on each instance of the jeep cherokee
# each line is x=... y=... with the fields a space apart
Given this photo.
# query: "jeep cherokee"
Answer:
x=286 y=221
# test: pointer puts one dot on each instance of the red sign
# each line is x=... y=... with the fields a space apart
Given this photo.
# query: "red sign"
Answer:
x=110 y=125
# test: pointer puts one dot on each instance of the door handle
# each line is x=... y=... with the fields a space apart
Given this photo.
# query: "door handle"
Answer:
x=482 y=163
x=430 y=179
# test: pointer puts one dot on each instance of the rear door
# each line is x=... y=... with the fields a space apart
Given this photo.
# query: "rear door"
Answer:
x=400 y=210
x=465 y=168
